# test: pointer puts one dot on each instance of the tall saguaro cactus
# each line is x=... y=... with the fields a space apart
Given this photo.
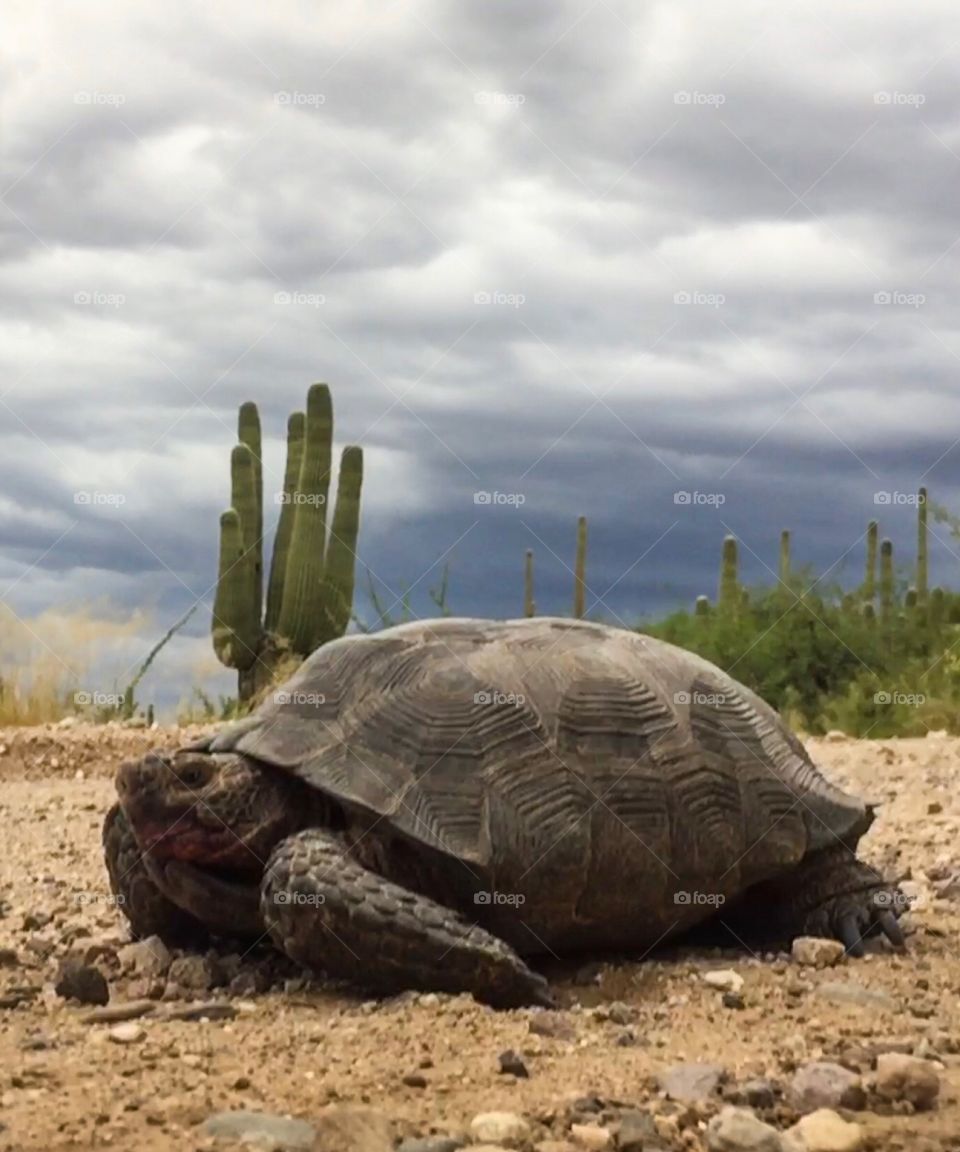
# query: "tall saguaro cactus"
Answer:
x=886 y=582
x=729 y=597
x=580 y=570
x=922 y=543
x=529 y=604
x=870 y=581
x=310 y=587
x=784 y=573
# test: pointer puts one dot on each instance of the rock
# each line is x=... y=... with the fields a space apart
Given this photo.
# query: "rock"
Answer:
x=738 y=1130
x=637 y=1132
x=816 y=952
x=76 y=981
x=548 y=1023
x=690 y=1083
x=207 y=1010
x=512 y=1064
x=901 y=1077
x=591 y=1136
x=849 y=992
x=353 y=1127
x=823 y=1131
x=414 y=1080
x=129 y=1033
x=432 y=1144
x=114 y=1013
x=500 y=1128
x=724 y=978
x=197 y=973
x=821 y=1084
x=835 y=736
x=8 y=958
x=148 y=958
x=733 y=1000
x=759 y=1093
x=261 y=1130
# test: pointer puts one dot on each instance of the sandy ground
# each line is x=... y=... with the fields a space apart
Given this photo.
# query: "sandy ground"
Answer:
x=429 y=1063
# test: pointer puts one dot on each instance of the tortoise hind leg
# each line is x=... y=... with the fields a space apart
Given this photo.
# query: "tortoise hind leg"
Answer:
x=149 y=912
x=328 y=912
x=830 y=894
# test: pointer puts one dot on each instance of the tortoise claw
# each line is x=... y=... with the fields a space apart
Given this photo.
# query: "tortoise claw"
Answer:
x=848 y=929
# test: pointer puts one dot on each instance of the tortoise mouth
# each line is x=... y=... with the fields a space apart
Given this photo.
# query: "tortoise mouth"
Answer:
x=228 y=903
x=218 y=850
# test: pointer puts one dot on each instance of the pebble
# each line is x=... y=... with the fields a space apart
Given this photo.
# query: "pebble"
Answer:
x=823 y=1131
x=637 y=1132
x=129 y=1033
x=197 y=973
x=149 y=957
x=512 y=1064
x=816 y=952
x=591 y=1136
x=690 y=1083
x=415 y=1080
x=724 y=978
x=348 y=1126
x=738 y=1130
x=555 y=1024
x=262 y=1130
x=821 y=1084
x=500 y=1128
x=901 y=1077
x=76 y=981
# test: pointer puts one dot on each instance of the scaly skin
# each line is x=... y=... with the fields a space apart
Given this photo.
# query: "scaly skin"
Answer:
x=327 y=912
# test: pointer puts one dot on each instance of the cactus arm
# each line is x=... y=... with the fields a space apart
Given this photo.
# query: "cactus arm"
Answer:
x=281 y=540
x=248 y=433
x=235 y=633
x=336 y=596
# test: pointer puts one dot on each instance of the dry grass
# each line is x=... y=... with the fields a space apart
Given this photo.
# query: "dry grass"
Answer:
x=46 y=660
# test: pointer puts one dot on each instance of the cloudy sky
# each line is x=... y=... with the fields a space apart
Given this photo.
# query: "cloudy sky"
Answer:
x=584 y=255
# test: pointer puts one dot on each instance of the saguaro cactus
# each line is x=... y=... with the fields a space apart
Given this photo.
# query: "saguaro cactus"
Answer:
x=310 y=587
x=870 y=580
x=529 y=604
x=729 y=597
x=922 y=542
x=702 y=606
x=886 y=581
x=580 y=570
x=784 y=573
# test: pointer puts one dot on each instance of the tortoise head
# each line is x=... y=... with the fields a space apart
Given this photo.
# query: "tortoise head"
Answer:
x=209 y=808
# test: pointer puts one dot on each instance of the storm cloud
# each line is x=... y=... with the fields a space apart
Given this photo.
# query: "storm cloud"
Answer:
x=589 y=255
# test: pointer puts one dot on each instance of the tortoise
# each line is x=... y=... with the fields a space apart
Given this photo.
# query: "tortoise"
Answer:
x=433 y=805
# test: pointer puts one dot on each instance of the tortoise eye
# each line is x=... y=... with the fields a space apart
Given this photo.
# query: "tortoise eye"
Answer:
x=191 y=775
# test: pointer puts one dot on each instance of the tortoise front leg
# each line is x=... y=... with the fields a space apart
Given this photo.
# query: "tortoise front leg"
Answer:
x=326 y=911
x=149 y=911
x=830 y=894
